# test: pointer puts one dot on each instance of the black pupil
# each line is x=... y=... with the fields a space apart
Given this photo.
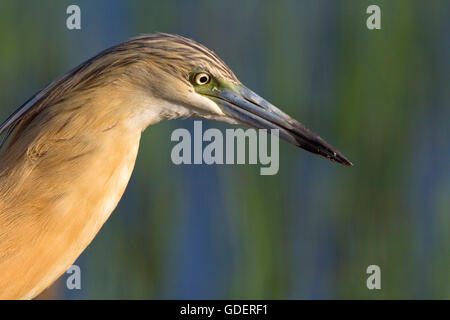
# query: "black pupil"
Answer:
x=203 y=79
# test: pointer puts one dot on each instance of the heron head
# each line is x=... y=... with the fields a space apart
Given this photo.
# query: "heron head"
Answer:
x=193 y=77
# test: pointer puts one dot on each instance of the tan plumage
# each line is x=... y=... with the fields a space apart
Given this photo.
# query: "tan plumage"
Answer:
x=71 y=149
x=70 y=156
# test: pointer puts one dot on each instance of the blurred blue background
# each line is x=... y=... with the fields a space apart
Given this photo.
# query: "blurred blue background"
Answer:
x=198 y=231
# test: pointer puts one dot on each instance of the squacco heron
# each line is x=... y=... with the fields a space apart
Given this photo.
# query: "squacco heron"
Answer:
x=70 y=150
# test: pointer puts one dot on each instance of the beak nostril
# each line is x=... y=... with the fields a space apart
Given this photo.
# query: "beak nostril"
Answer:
x=256 y=104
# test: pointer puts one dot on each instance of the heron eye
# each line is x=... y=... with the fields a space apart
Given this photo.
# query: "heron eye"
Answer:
x=202 y=78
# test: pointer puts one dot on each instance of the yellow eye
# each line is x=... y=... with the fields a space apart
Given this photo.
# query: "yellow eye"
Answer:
x=202 y=78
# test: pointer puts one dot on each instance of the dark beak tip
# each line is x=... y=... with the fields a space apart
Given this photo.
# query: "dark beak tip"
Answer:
x=342 y=160
x=348 y=163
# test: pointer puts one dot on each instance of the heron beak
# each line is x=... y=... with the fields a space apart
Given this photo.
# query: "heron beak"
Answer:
x=248 y=108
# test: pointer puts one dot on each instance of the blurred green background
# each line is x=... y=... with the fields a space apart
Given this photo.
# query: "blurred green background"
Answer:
x=198 y=231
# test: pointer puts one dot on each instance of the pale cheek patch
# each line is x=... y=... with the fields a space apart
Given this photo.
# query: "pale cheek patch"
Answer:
x=207 y=105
